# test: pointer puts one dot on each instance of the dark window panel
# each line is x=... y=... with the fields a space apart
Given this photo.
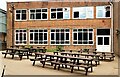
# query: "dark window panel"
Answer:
x=57 y=36
x=36 y=30
x=79 y=42
x=100 y=40
x=57 y=30
x=90 y=29
x=16 y=36
x=52 y=36
x=62 y=36
x=31 y=30
x=45 y=36
x=18 y=11
x=38 y=16
x=20 y=36
x=67 y=30
x=32 y=16
x=53 y=10
x=32 y=11
x=67 y=36
x=38 y=10
x=17 y=30
x=18 y=16
x=106 y=40
x=24 y=11
x=52 y=42
x=59 y=9
x=31 y=36
x=76 y=14
x=36 y=36
x=40 y=30
x=44 y=10
x=24 y=36
x=45 y=30
x=74 y=30
x=52 y=30
x=75 y=36
x=85 y=30
x=85 y=36
x=107 y=14
x=80 y=36
x=67 y=42
x=23 y=16
x=60 y=15
x=90 y=36
x=90 y=42
x=103 y=31
x=44 y=16
x=85 y=42
x=40 y=36
x=53 y=15
x=75 y=42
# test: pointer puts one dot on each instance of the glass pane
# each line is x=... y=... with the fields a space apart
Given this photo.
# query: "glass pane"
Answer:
x=53 y=10
x=53 y=15
x=76 y=14
x=44 y=16
x=66 y=15
x=52 y=36
x=36 y=36
x=57 y=36
x=45 y=36
x=79 y=36
x=38 y=16
x=20 y=36
x=40 y=36
x=62 y=36
x=38 y=10
x=100 y=40
x=106 y=40
x=32 y=16
x=44 y=10
x=67 y=36
x=103 y=31
x=75 y=36
x=60 y=15
x=59 y=9
x=23 y=16
x=90 y=36
x=16 y=36
x=31 y=36
x=17 y=16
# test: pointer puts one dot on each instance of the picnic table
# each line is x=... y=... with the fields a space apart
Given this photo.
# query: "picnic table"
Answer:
x=58 y=60
x=16 y=51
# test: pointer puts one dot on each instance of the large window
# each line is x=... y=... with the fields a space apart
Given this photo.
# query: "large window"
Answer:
x=83 y=12
x=38 y=14
x=103 y=12
x=21 y=37
x=60 y=13
x=60 y=37
x=20 y=14
x=82 y=36
x=39 y=36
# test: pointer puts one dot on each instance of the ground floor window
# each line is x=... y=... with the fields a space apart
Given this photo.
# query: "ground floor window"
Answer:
x=38 y=36
x=20 y=36
x=60 y=36
x=82 y=36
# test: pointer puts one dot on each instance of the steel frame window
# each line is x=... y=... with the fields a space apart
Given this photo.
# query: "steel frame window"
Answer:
x=83 y=12
x=38 y=14
x=60 y=37
x=83 y=37
x=60 y=13
x=38 y=37
x=20 y=15
x=20 y=37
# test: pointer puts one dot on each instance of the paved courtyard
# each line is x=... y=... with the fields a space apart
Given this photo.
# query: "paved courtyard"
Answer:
x=24 y=67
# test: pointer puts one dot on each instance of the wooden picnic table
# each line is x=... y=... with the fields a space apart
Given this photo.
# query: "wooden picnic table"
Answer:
x=16 y=51
x=63 y=60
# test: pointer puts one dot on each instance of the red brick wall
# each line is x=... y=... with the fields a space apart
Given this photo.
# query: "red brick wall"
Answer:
x=70 y=23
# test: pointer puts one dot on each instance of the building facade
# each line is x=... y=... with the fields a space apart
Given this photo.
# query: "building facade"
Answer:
x=3 y=27
x=75 y=25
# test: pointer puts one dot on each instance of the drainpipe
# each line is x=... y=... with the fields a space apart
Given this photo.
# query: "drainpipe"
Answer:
x=112 y=32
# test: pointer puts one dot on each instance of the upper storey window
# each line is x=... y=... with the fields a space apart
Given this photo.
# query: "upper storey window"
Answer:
x=60 y=13
x=20 y=14
x=38 y=14
x=103 y=11
x=83 y=12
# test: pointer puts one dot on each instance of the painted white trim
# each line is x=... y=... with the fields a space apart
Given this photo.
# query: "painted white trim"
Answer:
x=103 y=6
x=60 y=11
x=38 y=36
x=20 y=15
x=40 y=12
x=59 y=32
x=82 y=32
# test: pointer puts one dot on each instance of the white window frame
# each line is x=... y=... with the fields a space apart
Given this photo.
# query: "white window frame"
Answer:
x=20 y=15
x=60 y=11
x=82 y=35
x=22 y=38
x=78 y=9
x=104 y=11
x=38 y=37
x=41 y=14
x=59 y=37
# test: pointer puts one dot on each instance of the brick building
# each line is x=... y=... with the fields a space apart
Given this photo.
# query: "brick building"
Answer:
x=75 y=25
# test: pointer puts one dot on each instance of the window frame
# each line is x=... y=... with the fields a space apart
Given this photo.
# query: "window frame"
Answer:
x=60 y=11
x=104 y=6
x=36 y=13
x=38 y=37
x=20 y=15
x=73 y=10
x=18 y=38
x=82 y=35
x=60 y=32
